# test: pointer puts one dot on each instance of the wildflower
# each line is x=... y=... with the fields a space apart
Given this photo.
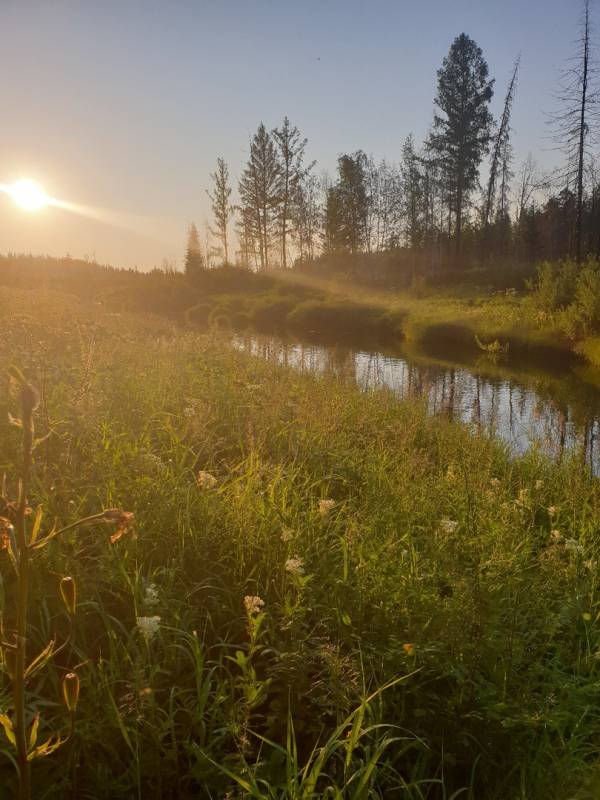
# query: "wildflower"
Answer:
x=408 y=648
x=448 y=525
x=253 y=604
x=553 y=510
x=189 y=412
x=556 y=536
x=68 y=592
x=148 y=626
x=151 y=596
x=523 y=496
x=295 y=566
x=70 y=687
x=325 y=506
x=451 y=472
x=586 y=616
x=122 y=519
x=590 y=564
x=494 y=483
x=574 y=546
x=287 y=534
x=205 y=480
x=538 y=485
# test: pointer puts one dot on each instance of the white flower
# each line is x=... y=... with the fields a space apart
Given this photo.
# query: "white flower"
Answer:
x=574 y=546
x=553 y=510
x=556 y=535
x=253 y=604
x=287 y=534
x=151 y=597
x=205 y=480
x=494 y=483
x=448 y=525
x=148 y=626
x=325 y=506
x=538 y=485
x=189 y=412
x=295 y=565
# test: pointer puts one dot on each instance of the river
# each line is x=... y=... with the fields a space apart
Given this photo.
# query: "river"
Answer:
x=552 y=408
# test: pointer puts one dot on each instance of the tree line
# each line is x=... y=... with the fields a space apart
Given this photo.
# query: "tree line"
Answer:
x=428 y=208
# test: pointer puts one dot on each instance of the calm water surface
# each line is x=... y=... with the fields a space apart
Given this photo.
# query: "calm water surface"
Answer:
x=556 y=410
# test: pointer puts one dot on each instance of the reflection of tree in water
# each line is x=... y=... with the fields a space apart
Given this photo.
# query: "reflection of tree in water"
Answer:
x=559 y=415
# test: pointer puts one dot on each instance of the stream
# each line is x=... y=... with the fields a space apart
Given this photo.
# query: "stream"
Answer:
x=551 y=407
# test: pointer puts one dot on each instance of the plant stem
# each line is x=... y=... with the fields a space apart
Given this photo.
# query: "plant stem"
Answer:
x=22 y=605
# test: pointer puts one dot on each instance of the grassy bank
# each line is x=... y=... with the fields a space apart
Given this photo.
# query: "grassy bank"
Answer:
x=385 y=545
x=453 y=323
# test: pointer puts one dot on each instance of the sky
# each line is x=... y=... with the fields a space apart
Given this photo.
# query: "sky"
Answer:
x=123 y=106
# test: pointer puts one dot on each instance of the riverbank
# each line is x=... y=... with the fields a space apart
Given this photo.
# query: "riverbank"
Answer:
x=301 y=546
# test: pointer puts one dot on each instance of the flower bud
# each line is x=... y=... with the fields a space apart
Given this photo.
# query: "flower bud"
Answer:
x=70 y=687
x=68 y=592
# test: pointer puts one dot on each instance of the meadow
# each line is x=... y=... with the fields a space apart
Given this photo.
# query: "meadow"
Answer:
x=324 y=593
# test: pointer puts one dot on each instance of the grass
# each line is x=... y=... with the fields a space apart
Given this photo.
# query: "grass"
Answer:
x=433 y=633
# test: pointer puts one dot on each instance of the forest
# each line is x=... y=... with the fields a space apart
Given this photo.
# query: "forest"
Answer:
x=431 y=209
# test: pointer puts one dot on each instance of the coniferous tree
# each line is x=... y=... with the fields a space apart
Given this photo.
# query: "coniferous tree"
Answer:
x=260 y=192
x=194 y=258
x=576 y=123
x=412 y=196
x=290 y=149
x=347 y=205
x=461 y=129
x=501 y=153
x=221 y=207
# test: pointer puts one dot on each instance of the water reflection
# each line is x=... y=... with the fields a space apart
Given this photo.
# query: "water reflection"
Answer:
x=519 y=413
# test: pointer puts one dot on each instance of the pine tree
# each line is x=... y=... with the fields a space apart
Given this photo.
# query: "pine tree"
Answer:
x=461 y=130
x=221 y=207
x=194 y=258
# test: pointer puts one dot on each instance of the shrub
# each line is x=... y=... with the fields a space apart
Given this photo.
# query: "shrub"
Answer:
x=582 y=317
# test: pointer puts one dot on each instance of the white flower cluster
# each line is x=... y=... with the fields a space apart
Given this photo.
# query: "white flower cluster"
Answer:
x=151 y=596
x=205 y=480
x=295 y=566
x=448 y=525
x=253 y=604
x=148 y=627
x=325 y=506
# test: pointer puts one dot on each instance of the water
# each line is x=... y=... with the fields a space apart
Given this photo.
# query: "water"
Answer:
x=554 y=409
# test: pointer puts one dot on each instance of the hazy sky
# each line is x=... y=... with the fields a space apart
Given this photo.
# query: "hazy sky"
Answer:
x=124 y=105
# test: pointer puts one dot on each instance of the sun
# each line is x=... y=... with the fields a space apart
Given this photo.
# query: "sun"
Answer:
x=28 y=195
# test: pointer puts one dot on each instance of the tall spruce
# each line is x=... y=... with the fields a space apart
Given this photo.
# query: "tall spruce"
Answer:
x=461 y=128
x=347 y=205
x=290 y=147
x=260 y=192
x=221 y=206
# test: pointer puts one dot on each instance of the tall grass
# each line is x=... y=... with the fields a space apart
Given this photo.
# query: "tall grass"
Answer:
x=428 y=615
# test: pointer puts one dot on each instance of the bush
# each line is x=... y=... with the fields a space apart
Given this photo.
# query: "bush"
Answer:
x=554 y=287
x=582 y=317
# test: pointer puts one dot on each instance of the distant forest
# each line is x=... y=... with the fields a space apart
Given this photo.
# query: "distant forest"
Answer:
x=429 y=212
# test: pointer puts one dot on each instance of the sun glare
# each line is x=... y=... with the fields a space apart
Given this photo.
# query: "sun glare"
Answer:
x=28 y=195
